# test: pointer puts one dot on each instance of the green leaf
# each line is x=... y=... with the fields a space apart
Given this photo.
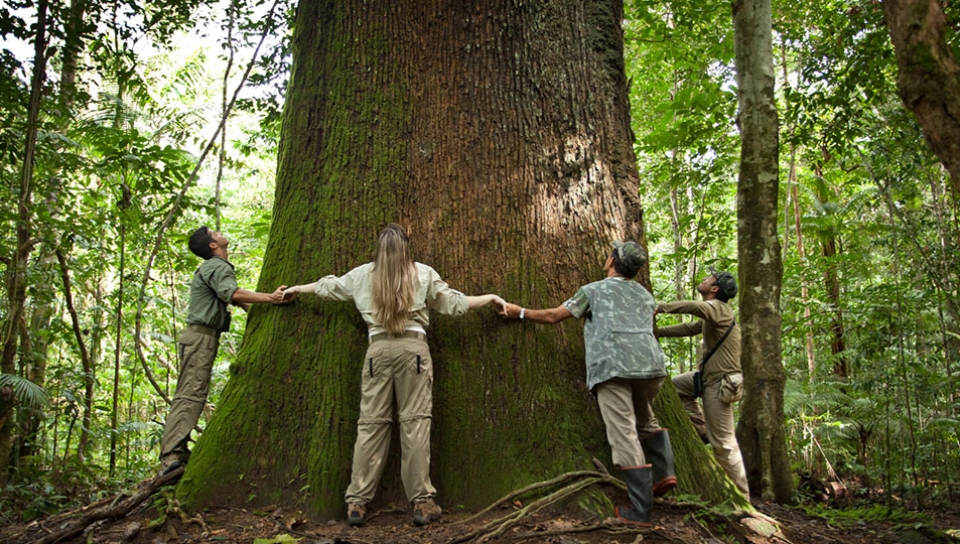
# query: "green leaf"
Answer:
x=24 y=390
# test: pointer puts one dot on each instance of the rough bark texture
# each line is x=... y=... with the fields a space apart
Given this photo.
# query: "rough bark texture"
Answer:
x=760 y=430
x=928 y=76
x=498 y=134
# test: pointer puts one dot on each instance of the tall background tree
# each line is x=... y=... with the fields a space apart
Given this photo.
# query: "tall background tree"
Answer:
x=927 y=77
x=760 y=430
x=499 y=135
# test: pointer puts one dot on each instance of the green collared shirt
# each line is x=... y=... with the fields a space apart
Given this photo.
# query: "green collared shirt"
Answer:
x=211 y=290
x=618 y=330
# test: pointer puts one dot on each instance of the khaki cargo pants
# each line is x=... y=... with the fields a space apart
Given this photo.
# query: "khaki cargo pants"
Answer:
x=715 y=420
x=627 y=410
x=396 y=371
x=196 y=349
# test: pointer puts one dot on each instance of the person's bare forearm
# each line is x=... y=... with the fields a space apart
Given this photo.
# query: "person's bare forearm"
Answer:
x=547 y=317
x=291 y=293
x=482 y=300
x=244 y=298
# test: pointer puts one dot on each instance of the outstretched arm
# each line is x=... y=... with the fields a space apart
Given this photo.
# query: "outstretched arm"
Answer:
x=483 y=300
x=244 y=298
x=291 y=293
x=549 y=317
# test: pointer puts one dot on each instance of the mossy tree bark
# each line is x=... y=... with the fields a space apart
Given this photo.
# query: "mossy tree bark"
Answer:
x=760 y=430
x=928 y=77
x=498 y=134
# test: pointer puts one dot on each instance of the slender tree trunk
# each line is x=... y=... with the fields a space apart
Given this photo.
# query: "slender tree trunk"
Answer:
x=35 y=370
x=793 y=197
x=927 y=78
x=802 y=258
x=71 y=50
x=498 y=134
x=36 y=357
x=761 y=427
x=114 y=412
x=88 y=377
x=16 y=279
x=831 y=281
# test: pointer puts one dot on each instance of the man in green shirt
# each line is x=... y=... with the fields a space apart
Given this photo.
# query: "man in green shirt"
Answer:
x=213 y=287
x=722 y=379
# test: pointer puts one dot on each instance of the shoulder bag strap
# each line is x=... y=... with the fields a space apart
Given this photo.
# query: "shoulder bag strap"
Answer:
x=717 y=345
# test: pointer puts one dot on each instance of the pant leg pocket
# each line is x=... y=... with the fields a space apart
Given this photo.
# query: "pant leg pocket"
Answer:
x=731 y=387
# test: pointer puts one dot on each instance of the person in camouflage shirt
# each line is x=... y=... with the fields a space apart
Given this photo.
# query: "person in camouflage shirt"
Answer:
x=625 y=370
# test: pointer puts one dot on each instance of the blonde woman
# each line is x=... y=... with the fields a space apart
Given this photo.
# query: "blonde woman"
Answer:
x=394 y=295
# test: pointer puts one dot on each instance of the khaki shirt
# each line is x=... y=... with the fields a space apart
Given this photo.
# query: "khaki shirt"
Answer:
x=715 y=317
x=211 y=290
x=432 y=294
x=617 y=330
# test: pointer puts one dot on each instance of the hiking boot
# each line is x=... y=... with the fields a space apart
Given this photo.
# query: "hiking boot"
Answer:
x=425 y=511
x=356 y=514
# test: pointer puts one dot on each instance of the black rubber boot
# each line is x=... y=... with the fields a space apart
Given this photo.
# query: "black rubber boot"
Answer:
x=659 y=453
x=640 y=489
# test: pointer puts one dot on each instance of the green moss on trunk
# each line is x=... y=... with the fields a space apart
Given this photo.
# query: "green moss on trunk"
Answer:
x=498 y=135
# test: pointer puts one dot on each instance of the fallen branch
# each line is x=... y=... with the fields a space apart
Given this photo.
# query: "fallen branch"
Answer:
x=118 y=508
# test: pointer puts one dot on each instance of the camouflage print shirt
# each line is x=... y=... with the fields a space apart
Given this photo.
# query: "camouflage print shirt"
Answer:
x=618 y=330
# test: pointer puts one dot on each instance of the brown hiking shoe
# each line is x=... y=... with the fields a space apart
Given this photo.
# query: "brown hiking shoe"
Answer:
x=425 y=511
x=356 y=514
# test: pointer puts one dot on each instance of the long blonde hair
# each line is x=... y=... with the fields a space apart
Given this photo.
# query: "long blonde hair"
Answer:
x=394 y=279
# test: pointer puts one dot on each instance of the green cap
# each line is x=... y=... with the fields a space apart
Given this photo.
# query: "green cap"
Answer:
x=630 y=253
x=726 y=282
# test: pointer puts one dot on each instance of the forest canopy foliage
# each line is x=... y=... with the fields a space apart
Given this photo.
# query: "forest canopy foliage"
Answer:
x=132 y=96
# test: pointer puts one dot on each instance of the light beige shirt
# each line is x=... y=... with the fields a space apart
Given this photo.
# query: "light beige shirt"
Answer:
x=432 y=294
x=716 y=317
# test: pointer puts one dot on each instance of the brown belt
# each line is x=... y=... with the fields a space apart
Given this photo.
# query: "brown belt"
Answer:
x=406 y=334
x=203 y=329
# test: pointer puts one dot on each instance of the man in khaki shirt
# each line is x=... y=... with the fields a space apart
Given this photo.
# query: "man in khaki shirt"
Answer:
x=720 y=372
x=213 y=287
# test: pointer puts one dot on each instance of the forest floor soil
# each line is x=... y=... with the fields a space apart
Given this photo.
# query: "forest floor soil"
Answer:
x=673 y=523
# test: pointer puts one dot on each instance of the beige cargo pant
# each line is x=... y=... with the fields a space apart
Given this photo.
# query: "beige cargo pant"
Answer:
x=395 y=371
x=196 y=351
x=715 y=420
x=627 y=410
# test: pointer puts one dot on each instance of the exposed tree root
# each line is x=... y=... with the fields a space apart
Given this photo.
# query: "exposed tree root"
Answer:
x=608 y=527
x=118 y=507
x=495 y=528
x=572 y=483
x=546 y=484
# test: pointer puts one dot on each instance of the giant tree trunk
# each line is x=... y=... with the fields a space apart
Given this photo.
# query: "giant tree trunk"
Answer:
x=760 y=430
x=927 y=77
x=498 y=135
